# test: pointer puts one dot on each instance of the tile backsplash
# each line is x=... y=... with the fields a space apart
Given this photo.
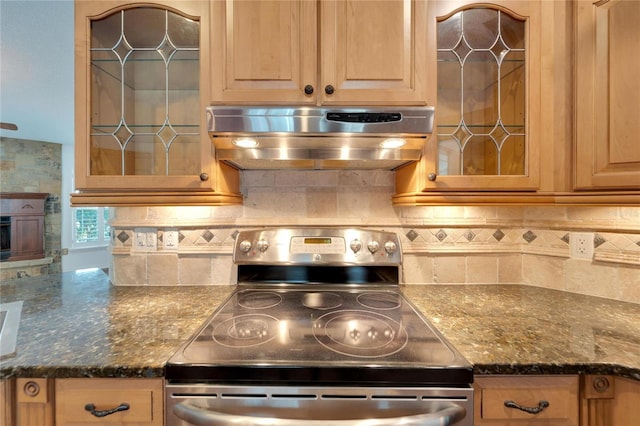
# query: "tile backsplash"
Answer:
x=447 y=245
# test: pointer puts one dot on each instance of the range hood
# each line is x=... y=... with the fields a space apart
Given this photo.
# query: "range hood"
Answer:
x=273 y=137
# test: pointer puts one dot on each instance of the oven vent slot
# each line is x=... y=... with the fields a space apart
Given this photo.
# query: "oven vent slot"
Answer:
x=191 y=395
x=243 y=395
x=287 y=396
x=445 y=398
x=395 y=397
x=329 y=396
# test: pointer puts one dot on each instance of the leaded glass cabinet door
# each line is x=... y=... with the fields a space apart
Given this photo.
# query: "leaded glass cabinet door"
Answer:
x=140 y=113
x=487 y=99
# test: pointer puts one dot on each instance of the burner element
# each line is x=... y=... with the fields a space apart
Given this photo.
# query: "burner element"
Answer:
x=360 y=334
x=321 y=300
x=258 y=299
x=380 y=301
x=244 y=331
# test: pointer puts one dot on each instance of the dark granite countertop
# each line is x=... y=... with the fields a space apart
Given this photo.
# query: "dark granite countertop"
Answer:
x=79 y=325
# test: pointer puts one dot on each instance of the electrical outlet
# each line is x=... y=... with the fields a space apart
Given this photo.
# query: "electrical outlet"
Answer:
x=170 y=239
x=581 y=245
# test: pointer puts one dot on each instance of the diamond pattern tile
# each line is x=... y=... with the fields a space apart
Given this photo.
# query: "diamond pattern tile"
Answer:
x=123 y=237
x=529 y=236
x=412 y=235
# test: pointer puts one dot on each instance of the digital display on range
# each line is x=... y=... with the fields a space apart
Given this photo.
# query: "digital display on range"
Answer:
x=317 y=240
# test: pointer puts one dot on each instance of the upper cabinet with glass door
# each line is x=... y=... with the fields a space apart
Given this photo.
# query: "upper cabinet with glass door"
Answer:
x=355 y=52
x=486 y=60
x=140 y=73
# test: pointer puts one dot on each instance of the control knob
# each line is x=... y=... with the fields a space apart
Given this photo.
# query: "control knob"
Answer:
x=390 y=247
x=373 y=246
x=355 y=245
x=245 y=246
x=262 y=245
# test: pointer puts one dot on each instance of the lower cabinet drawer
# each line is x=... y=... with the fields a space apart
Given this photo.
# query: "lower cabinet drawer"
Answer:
x=526 y=400
x=130 y=402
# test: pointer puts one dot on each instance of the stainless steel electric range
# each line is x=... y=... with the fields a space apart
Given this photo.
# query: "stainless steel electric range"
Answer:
x=318 y=332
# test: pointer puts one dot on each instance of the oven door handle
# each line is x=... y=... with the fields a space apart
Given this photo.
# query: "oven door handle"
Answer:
x=198 y=417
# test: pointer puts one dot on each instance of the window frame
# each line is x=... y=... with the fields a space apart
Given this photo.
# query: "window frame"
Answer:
x=104 y=230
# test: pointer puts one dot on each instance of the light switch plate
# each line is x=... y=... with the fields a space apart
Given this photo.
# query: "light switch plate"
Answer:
x=145 y=239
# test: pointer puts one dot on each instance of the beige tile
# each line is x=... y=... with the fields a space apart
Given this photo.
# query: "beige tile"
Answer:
x=545 y=213
x=128 y=214
x=592 y=213
x=631 y=214
x=482 y=270
x=257 y=178
x=417 y=269
x=162 y=269
x=480 y=212
x=510 y=269
x=629 y=283
x=321 y=178
x=448 y=212
x=594 y=279
x=354 y=178
x=290 y=202
x=195 y=269
x=449 y=270
x=543 y=271
x=290 y=178
x=415 y=214
x=321 y=202
x=383 y=178
x=129 y=269
x=259 y=202
x=223 y=271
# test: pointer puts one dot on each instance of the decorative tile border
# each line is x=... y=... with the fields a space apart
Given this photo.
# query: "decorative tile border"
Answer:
x=609 y=247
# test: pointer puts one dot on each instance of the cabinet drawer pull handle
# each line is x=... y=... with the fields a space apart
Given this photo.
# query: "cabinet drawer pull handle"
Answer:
x=103 y=413
x=531 y=410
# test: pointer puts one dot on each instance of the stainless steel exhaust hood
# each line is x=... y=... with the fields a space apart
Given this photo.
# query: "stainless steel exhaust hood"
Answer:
x=272 y=137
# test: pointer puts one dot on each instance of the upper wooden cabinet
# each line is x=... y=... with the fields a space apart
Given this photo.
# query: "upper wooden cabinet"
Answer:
x=142 y=84
x=319 y=52
x=607 y=139
x=487 y=59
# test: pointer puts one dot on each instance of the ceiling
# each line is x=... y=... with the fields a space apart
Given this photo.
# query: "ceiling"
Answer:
x=36 y=69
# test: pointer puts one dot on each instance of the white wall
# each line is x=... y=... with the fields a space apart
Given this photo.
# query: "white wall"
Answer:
x=37 y=86
x=36 y=69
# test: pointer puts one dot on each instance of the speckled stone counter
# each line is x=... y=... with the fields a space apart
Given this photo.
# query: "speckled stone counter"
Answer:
x=79 y=325
x=514 y=329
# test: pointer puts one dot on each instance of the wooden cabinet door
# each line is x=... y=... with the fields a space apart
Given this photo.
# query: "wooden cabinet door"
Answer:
x=35 y=402
x=7 y=401
x=27 y=237
x=610 y=400
x=372 y=52
x=607 y=138
x=487 y=133
x=264 y=51
x=142 y=85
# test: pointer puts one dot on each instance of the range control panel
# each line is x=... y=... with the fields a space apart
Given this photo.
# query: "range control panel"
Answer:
x=336 y=246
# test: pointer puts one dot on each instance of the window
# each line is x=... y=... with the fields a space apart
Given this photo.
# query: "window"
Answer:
x=90 y=226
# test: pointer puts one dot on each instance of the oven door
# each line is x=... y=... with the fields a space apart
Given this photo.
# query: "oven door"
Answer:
x=210 y=405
